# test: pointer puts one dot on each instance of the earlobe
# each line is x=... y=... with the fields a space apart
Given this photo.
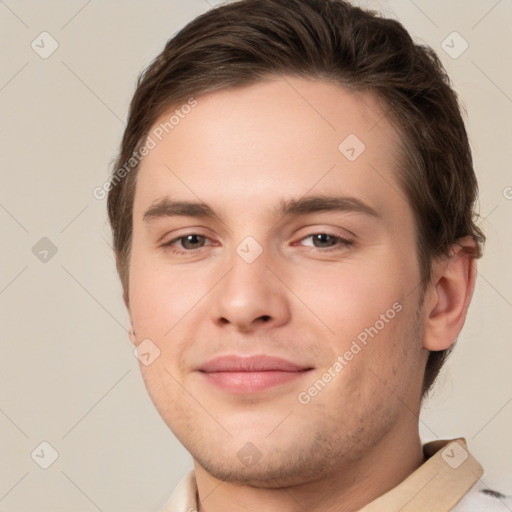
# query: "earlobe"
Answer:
x=448 y=298
x=132 y=333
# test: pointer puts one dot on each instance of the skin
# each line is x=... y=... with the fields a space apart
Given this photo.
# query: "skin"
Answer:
x=242 y=151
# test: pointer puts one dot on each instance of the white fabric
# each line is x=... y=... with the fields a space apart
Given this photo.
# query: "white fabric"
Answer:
x=477 y=501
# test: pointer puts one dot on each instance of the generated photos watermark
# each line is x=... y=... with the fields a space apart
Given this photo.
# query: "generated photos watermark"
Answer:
x=357 y=345
x=152 y=140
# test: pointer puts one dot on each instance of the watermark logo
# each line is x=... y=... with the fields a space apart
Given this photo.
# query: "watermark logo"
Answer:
x=44 y=250
x=454 y=454
x=249 y=455
x=44 y=45
x=249 y=249
x=454 y=45
x=351 y=147
x=146 y=352
x=44 y=455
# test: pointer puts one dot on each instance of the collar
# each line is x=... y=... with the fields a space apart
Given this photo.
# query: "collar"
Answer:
x=438 y=484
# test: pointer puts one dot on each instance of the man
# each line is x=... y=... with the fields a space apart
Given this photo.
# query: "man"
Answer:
x=292 y=210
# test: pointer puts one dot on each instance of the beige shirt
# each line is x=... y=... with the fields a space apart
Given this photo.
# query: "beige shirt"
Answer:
x=441 y=482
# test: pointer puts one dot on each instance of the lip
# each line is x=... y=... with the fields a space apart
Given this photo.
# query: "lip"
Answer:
x=252 y=374
x=256 y=363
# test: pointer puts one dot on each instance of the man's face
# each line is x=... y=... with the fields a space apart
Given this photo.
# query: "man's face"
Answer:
x=334 y=292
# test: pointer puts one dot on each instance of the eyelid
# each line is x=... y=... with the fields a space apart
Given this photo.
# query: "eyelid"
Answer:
x=342 y=240
x=334 y=231
x=183 y=232
x=185 y=235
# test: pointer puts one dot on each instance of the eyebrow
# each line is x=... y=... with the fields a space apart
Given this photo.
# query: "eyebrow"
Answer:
x=167 y=207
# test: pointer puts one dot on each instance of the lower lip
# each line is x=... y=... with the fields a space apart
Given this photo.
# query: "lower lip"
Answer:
x=251 y=382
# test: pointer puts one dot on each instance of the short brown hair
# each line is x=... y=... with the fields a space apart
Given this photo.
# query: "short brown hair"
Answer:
x=248 y=41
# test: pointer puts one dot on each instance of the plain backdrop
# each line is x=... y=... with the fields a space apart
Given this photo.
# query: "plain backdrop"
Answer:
x=68 y=376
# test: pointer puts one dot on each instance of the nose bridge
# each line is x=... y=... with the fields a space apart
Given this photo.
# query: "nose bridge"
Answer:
x=249 y=275
x=249 y=291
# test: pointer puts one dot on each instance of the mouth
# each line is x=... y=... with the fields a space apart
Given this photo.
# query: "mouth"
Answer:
x=242 y=375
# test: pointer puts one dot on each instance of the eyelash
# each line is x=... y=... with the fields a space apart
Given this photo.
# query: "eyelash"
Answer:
x=342 y=243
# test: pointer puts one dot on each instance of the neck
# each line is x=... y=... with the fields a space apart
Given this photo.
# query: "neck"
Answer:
x=351 y=486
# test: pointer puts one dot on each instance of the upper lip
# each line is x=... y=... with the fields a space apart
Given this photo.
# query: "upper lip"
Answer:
x=256 y=363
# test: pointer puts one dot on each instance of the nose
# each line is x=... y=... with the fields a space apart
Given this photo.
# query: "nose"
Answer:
x=250 y=296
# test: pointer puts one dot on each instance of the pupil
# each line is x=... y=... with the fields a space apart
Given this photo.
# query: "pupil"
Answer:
x=191 y=240
x=322 y=238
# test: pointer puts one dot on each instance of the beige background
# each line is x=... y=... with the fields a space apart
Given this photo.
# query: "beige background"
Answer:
x=68 y=375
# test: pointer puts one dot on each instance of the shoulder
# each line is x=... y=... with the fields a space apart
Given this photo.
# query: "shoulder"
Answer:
x=482 y=499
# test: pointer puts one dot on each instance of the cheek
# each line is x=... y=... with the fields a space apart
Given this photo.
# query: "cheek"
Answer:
x=160 y=297
x=371 y=316
x=347 y=299
x=165 y=391
x=380 y=373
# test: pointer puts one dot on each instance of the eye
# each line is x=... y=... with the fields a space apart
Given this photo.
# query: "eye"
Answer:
x=190 y=242
x=327 y=241
x=322 y=242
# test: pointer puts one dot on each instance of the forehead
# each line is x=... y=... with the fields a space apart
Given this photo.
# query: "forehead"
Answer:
x=277 y=138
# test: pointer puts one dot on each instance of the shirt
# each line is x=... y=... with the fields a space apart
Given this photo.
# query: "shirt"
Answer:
x=448 y=481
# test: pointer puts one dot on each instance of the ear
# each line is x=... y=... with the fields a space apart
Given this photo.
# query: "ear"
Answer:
x=448 y=296
x=131 y=333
